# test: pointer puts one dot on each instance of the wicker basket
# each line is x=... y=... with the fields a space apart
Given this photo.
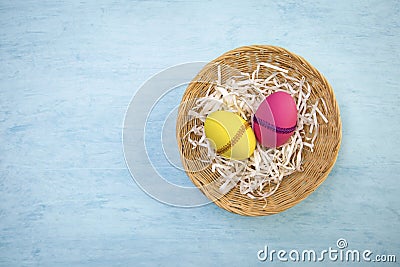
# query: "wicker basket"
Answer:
x=317 y=164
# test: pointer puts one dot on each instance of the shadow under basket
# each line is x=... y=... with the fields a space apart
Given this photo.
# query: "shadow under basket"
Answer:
x=317 y=164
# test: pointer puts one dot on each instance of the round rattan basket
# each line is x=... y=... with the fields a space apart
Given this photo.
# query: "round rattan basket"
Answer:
x=316 y=164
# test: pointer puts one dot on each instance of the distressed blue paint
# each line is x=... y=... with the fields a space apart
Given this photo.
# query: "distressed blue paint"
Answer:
x=67 y=73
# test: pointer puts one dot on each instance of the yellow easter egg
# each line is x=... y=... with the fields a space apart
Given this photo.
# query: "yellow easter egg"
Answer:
x=231 y=136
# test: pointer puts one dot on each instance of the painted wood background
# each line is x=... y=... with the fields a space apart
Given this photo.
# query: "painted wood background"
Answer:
x=68 y=70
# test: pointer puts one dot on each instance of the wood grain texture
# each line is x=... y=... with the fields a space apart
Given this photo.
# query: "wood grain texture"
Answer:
x=67 y=73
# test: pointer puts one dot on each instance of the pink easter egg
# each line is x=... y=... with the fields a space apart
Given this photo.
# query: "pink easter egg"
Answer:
x=275 y=119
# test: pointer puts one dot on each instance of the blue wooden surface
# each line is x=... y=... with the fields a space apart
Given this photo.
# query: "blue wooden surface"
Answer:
x=67 y=73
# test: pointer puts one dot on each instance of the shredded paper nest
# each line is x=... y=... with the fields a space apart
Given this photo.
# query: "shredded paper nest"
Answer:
x=260 y=175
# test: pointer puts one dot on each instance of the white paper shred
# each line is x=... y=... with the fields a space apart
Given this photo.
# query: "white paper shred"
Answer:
x=259 y=176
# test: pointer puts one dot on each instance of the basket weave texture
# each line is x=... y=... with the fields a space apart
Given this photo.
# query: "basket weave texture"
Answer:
x=316 y=164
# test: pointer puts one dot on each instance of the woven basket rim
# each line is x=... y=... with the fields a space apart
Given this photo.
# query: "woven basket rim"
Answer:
x=233 y=203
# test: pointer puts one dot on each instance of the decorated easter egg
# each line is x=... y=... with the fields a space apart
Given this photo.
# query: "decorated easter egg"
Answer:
x=275 y=119
x=230 y=135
